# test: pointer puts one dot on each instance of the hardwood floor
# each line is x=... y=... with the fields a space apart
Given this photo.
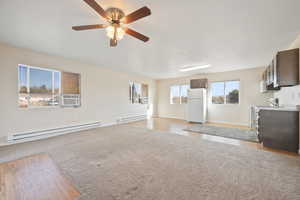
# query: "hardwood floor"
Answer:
x=32 y=178
x=176 y=126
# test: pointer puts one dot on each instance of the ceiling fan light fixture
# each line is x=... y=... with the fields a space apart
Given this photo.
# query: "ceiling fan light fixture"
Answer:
x=116 y=18
x=110 y=31
x=120 y=33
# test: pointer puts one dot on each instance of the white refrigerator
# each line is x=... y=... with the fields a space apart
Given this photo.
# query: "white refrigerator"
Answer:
x=197 y=105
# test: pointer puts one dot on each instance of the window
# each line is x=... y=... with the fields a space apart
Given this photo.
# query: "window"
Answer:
x=138 y=93
x=175 y=94
x=225 y=92
x=38 y=87
x=70 y=89
x=218 y=93
x=232 y=92
x=145 y=93
x=42 y=87
x=178 y=94
x=183 y=93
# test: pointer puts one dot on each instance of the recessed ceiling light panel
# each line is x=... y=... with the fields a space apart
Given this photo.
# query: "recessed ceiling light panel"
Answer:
x=186 y=69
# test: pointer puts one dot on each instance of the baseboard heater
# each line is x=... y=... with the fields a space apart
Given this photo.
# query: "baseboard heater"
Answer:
x=34 y=135
x=127 y=119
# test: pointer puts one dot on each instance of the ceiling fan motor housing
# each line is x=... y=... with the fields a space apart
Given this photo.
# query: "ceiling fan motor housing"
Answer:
x=115 y=14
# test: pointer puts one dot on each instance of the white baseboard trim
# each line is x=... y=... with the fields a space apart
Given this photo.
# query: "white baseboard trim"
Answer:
x=42 y=134
x=6 y=141
x=131 y=118
x=229 y=123
x=109 y=124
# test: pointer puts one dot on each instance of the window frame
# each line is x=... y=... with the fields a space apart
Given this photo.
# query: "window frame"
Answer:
x=53 y=71
x=225 y=101
x=180 y=97
x=142 y=98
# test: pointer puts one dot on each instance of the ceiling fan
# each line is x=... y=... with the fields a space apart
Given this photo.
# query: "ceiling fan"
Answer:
x=116 y=19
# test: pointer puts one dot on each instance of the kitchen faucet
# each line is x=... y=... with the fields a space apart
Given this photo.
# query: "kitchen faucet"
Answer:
x=274 y=102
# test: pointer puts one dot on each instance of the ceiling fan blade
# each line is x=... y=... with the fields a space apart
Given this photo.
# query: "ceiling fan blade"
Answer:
x=87 y=27
x=136 y=15
x=136 y=35
x=97 y=7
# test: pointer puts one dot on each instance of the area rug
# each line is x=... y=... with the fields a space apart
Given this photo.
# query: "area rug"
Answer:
x=235 y=133
x=129 y=163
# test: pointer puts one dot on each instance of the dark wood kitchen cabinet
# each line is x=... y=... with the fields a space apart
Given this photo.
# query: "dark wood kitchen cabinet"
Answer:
x=279 y=129
x=270 y=77
x=199 y=83
x=283 y=71
x=286 y=68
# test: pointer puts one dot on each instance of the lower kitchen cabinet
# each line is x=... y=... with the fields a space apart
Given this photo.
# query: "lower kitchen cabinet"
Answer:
x=279 y=129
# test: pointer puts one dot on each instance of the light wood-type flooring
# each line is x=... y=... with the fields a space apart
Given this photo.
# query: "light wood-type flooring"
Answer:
x=176 y=126
x=36 y=178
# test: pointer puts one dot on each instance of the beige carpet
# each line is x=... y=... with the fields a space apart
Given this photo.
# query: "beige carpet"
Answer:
x=124 y=162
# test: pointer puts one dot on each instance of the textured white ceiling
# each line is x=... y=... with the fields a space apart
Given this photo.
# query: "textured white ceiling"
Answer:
x=228 y=34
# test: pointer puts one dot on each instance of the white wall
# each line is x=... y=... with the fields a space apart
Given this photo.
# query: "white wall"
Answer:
x=104 y=94
x=232 y=114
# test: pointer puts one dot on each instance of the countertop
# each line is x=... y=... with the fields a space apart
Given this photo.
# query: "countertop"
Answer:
x=280 y=108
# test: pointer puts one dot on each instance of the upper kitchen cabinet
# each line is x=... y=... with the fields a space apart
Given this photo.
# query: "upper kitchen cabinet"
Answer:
x=283 y=71
x=286 y=68
x=199 y=83
x=270 y=77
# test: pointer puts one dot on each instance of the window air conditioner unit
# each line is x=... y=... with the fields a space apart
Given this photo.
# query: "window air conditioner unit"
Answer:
x=70 y=100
